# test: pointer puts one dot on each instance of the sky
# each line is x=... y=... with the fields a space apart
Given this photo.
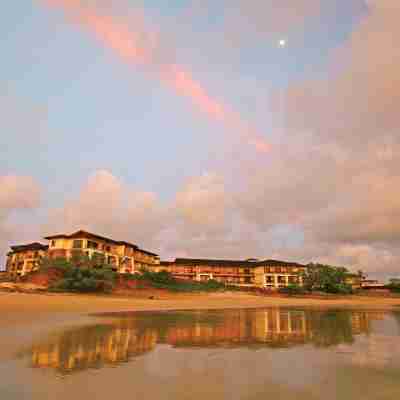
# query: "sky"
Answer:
x=205 y=128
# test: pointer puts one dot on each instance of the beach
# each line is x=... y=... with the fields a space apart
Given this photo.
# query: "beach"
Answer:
x=20 y=308
x=31 y=321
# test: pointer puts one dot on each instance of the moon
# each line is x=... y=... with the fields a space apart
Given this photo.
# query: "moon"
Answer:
x=282 y=43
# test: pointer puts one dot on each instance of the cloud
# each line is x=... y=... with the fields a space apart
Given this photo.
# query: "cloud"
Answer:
x=202 y=203
x=137 y=43
x=331 y=184
x=17 y=194
x=336 y=173
x=108 y=206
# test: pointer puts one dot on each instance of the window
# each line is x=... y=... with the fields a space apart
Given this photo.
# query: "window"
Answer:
x=281 y=279
x=108 y=249
x=247 y=270
x=77 y=244
x=53 y=243
x=112 y=260
x=92 y=245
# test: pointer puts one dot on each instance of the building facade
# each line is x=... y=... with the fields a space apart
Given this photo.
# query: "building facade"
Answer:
x=24 y=259
x=272 y=274
x=124 y=257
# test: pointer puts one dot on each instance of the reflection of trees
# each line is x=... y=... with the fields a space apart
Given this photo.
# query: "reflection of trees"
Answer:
x=396 y=315
x=330 y=328
x=118 y=342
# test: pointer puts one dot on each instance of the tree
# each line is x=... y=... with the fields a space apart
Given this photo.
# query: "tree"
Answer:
x=326 y=278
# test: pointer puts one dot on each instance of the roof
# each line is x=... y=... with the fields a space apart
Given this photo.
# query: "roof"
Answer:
x=31 y=246
x=279 y=263
x=81 y=233
x=148 y=252
x=166 y=262
x=228 y=263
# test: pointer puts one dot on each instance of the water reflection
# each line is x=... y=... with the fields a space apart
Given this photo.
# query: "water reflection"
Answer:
x=123 y=339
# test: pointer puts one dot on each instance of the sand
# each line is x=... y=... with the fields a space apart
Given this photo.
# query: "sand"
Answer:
x=26 y=318
x=24 y=307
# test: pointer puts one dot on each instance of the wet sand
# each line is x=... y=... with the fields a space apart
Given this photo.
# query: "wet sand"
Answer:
x=25 y=318
x=19 y=308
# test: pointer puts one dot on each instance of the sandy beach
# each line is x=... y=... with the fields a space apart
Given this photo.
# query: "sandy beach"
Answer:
x=26 y=318
x=21 y=308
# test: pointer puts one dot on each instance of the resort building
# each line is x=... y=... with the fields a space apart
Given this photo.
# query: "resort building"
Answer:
x=123 y=256
x=271 y=274
x=24 y=259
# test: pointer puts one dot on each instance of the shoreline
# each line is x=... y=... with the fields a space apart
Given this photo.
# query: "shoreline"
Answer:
x=34 y=316
x=85 y=304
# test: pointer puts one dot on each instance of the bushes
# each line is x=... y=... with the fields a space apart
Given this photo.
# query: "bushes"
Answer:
x=60 y=264
x=337 y=288
x=292 y=289
x=326 y=278
x=165 y=280
x=78 y=277
x=86 y=280
x=393 y=287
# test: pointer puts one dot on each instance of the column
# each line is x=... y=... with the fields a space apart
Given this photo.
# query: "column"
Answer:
x=276 y=284
x=289 y=322
x=278 y=321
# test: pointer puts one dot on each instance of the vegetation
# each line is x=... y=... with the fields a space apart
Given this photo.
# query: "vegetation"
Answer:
x=330 y=328
x=79 y=275
x=326 y=278
x=394 y=286
x=292 y=289
x=165 y=280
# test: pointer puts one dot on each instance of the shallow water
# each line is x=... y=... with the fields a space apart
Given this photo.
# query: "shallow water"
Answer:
x=228 y=354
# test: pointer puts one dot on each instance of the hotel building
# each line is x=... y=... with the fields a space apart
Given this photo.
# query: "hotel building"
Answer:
x=24 y=259
x=123 y=256
x=271 y=274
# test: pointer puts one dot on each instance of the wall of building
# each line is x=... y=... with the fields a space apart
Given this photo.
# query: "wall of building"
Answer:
x=23 y=262
x=246 y=274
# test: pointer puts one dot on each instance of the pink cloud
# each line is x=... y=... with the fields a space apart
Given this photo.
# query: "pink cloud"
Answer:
x=17 y=194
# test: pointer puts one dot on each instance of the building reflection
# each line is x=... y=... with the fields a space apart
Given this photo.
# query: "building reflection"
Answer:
x=123 y=339
x=93 y=347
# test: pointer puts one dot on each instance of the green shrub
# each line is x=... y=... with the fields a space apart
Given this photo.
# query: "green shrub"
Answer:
x=337 y=288
x=292 y=289
x=84 y=279
x=165 y=280
x=393 y=287
x=60 y=263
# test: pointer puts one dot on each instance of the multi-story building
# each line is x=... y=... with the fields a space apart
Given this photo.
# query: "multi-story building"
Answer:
x=123 y=256
x=25 y=258
x=268 y=273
